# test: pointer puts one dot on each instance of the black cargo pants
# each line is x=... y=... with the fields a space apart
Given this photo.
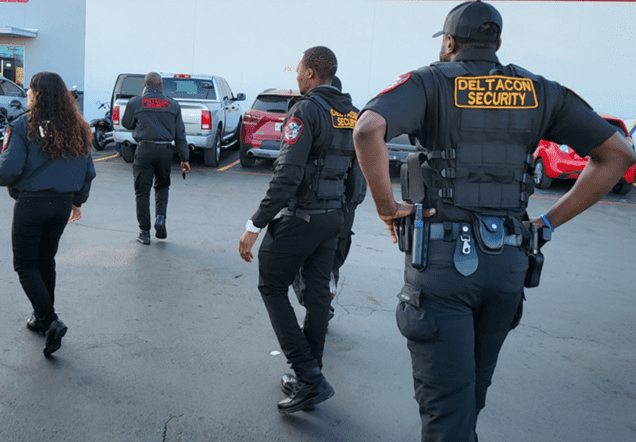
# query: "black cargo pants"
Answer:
x=471 y=317
x=290 y=243
x=152 y=163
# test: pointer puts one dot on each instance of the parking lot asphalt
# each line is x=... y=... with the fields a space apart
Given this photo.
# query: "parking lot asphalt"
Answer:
x=171 y=342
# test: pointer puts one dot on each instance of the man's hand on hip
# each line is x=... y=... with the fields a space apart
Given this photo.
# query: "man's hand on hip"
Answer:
x=402 y=209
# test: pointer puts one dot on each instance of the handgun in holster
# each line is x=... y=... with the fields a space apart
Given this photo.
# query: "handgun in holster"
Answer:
x=405 y=225
x=412 y=230
x=538 y=237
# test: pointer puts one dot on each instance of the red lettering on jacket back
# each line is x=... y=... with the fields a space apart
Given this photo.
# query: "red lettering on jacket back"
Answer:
x=155 y=103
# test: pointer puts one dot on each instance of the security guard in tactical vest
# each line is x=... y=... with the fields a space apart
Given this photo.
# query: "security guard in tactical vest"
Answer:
x=355 y=191
x=156 y=122
x=307 y=191
x=469 y=252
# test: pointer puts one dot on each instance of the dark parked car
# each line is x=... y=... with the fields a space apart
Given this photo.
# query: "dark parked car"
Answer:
x=262 y=124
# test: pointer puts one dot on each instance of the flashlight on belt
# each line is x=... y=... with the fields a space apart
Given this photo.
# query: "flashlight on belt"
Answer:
x=418 y=236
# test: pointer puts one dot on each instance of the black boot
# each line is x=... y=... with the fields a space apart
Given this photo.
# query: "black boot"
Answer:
x=311 y=388
x=144 y=237
x=54 y=334
x=287 y=383
x=36 y=325
x=160 y=227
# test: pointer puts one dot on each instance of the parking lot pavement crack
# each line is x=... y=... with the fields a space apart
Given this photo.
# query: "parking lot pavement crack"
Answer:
x=165 y=426
x=565 y=338
x=349 y=309
x=347 y=312
x=102 y=228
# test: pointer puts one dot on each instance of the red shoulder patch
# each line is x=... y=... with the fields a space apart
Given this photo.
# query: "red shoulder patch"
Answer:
x=398 y=81
x=155 y=103
x=293 y=129
x=7 y=135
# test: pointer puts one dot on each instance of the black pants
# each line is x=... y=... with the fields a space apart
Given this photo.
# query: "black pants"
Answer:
x=152 y=161
x=474 y=314
x=290 y=243
x=38 y=224
x=343 y=246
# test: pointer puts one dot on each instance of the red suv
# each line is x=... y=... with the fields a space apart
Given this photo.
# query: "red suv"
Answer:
x=262 y=124
x=553 y=161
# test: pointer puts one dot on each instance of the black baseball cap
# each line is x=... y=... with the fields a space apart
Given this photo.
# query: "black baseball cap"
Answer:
x=465 y=20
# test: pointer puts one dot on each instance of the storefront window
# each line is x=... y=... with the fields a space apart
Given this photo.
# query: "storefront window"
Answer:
x=12 y=63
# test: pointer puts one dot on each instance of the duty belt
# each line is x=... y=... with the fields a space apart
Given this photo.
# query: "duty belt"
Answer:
x=160 y=143
x=453 y=230
x=305 y=214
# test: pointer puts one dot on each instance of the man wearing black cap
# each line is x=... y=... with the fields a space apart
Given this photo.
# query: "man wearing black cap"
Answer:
x=473 y=247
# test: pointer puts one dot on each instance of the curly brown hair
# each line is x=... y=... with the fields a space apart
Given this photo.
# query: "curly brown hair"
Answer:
x=55 y=118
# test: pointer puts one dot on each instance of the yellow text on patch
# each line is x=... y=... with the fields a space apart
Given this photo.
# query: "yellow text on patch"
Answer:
x=341 y=121
x=495 y=92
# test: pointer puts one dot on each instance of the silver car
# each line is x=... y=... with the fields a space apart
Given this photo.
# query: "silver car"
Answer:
x=10 y=92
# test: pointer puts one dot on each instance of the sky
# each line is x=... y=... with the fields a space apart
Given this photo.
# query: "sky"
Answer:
x=256 y=44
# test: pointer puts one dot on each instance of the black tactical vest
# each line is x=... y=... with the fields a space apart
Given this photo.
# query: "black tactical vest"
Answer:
x=479 y=154
x=325 y=176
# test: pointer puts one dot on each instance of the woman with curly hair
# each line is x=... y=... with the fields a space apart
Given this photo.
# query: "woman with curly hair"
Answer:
x=47 y=165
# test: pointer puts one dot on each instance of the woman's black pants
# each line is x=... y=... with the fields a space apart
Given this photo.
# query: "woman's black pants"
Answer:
x=38 y=224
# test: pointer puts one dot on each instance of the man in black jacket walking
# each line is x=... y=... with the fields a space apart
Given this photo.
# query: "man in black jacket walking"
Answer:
x=308 y=190
x=156 y=122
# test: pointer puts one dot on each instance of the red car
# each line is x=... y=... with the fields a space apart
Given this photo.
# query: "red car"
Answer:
x=553 y=161
x=262 y=124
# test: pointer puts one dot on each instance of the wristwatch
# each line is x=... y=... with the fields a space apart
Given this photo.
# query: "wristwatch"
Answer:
x=250 y=227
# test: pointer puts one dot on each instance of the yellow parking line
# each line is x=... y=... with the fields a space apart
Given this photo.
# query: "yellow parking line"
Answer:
x=106 y=158
x=223 y=169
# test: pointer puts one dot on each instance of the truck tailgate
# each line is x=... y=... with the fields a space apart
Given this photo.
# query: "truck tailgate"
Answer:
x=191 y=114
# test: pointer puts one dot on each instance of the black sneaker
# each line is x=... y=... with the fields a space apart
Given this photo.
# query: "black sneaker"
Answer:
x=160 y=227
x=287 y=383
x=54 y=334
x=144 y=237
x=306 y=395
x=34 y=324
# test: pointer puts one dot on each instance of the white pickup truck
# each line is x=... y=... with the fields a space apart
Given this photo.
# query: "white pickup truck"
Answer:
x=211 y=113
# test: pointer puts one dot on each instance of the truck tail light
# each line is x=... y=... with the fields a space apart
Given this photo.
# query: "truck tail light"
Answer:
x=206 y=120
x=116 y=115
x=182 y=76
x=249 y=118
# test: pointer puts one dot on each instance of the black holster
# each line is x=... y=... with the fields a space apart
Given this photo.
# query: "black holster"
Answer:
x=413 y=235
x=538 y=237
x=413 y=228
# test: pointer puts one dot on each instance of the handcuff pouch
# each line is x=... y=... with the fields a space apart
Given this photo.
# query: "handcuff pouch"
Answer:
x=489 y=233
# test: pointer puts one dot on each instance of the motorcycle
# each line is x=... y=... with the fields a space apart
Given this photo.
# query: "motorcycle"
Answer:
x=102 y=129
x=5 y=119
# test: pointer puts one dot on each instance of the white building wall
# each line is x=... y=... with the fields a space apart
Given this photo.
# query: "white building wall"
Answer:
x=256 y=44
